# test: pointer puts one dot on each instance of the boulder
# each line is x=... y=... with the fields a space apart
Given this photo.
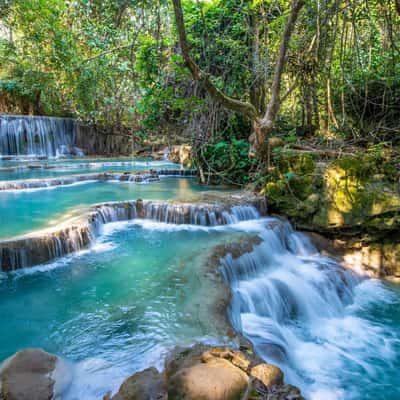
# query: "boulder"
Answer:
x=268 y=374
x=208 y=373
x=28 y=375
x=199 y=375
x=217 y=379
x=146 y=385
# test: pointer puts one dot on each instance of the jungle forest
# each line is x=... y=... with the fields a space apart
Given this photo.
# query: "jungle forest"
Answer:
x=199 y=199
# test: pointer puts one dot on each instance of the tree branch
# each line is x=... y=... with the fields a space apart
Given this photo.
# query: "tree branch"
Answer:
x=274 y=103
x=198 y=74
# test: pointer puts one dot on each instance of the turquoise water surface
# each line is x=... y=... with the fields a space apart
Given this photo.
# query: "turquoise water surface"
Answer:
x=62 y=168
x=123 y=304
x=27 y=210
x=113 y=310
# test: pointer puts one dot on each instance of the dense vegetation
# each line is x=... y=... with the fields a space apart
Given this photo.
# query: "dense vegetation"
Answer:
x=120 y=63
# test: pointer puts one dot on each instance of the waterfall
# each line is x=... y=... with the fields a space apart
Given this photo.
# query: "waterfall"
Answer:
x=301 y=311
x=47 y=245
x=38 y=136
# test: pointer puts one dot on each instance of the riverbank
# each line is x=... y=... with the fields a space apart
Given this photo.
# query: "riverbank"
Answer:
x=352 y=202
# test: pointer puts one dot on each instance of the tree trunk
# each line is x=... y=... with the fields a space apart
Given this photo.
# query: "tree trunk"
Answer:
x=262 y=125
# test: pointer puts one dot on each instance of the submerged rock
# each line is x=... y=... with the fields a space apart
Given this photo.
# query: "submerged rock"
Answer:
x=31 y=375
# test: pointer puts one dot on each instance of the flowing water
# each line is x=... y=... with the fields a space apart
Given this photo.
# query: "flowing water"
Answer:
x=24 y=211
x=140 y=289
x=113 y=310
x=38 y=136
x=335 y=334
x=25 y=169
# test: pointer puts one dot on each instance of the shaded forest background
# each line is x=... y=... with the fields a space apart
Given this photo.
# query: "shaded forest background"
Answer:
x=118 y=64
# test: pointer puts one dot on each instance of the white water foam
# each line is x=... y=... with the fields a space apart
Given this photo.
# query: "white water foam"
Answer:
x=99 y=246
x=302 y=312
x=50 y=187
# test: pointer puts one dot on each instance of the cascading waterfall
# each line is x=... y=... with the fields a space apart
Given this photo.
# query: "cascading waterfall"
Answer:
x=299 y=309
x=43 y=247
x=38 y=136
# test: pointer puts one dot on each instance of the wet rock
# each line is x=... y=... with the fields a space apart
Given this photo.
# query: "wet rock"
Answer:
x=285 y=392
x=28 y=375
x=268 y=374
x=146 y=385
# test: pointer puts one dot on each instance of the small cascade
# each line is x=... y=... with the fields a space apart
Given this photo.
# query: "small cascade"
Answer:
x=177 y=213
x=283 y=292
x=38 y=136
x=45 y=246
x=75 y=179
x=33 y=250
x=176 y=172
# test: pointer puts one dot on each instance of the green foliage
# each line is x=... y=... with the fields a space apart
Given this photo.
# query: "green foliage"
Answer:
x=228 y=159
x=118 y=63
x=292 y=162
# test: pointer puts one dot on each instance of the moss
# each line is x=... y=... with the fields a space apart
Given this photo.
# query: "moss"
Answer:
x=350 y=192
x=301 y=164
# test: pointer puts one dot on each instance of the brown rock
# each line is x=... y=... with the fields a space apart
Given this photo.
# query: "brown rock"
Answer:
x=268 y=374
x=27 y=375
x=146 y=385
x=285 y=392
x=237 y=358
x=217 y=379
x=181 y=358
x=240 y=360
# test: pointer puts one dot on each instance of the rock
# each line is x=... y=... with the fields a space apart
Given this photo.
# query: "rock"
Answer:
x=285 y=392
x=28 y=375
x=275 y=142
x=217 y=379
x=181 y=358
x=237 y=358
x=240 y=360
x=207 y=373
x=268 y=374
x=146 y=385
x=181 y=154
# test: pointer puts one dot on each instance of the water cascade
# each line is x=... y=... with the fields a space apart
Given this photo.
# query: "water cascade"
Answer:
x=36 y=136
x=297 y=308
x=75 y=179
x=38 y=248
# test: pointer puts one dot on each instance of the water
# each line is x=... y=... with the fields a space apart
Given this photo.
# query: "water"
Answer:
x=24 y=211
x=116 y=309
x=336 y=335
x=22 y=169
x=44 y=136
x=121 y=305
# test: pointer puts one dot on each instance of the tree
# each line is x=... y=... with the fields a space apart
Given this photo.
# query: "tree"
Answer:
x=262 y=123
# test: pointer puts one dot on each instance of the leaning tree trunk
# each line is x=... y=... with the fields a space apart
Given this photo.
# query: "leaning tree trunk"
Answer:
x=262 y=125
